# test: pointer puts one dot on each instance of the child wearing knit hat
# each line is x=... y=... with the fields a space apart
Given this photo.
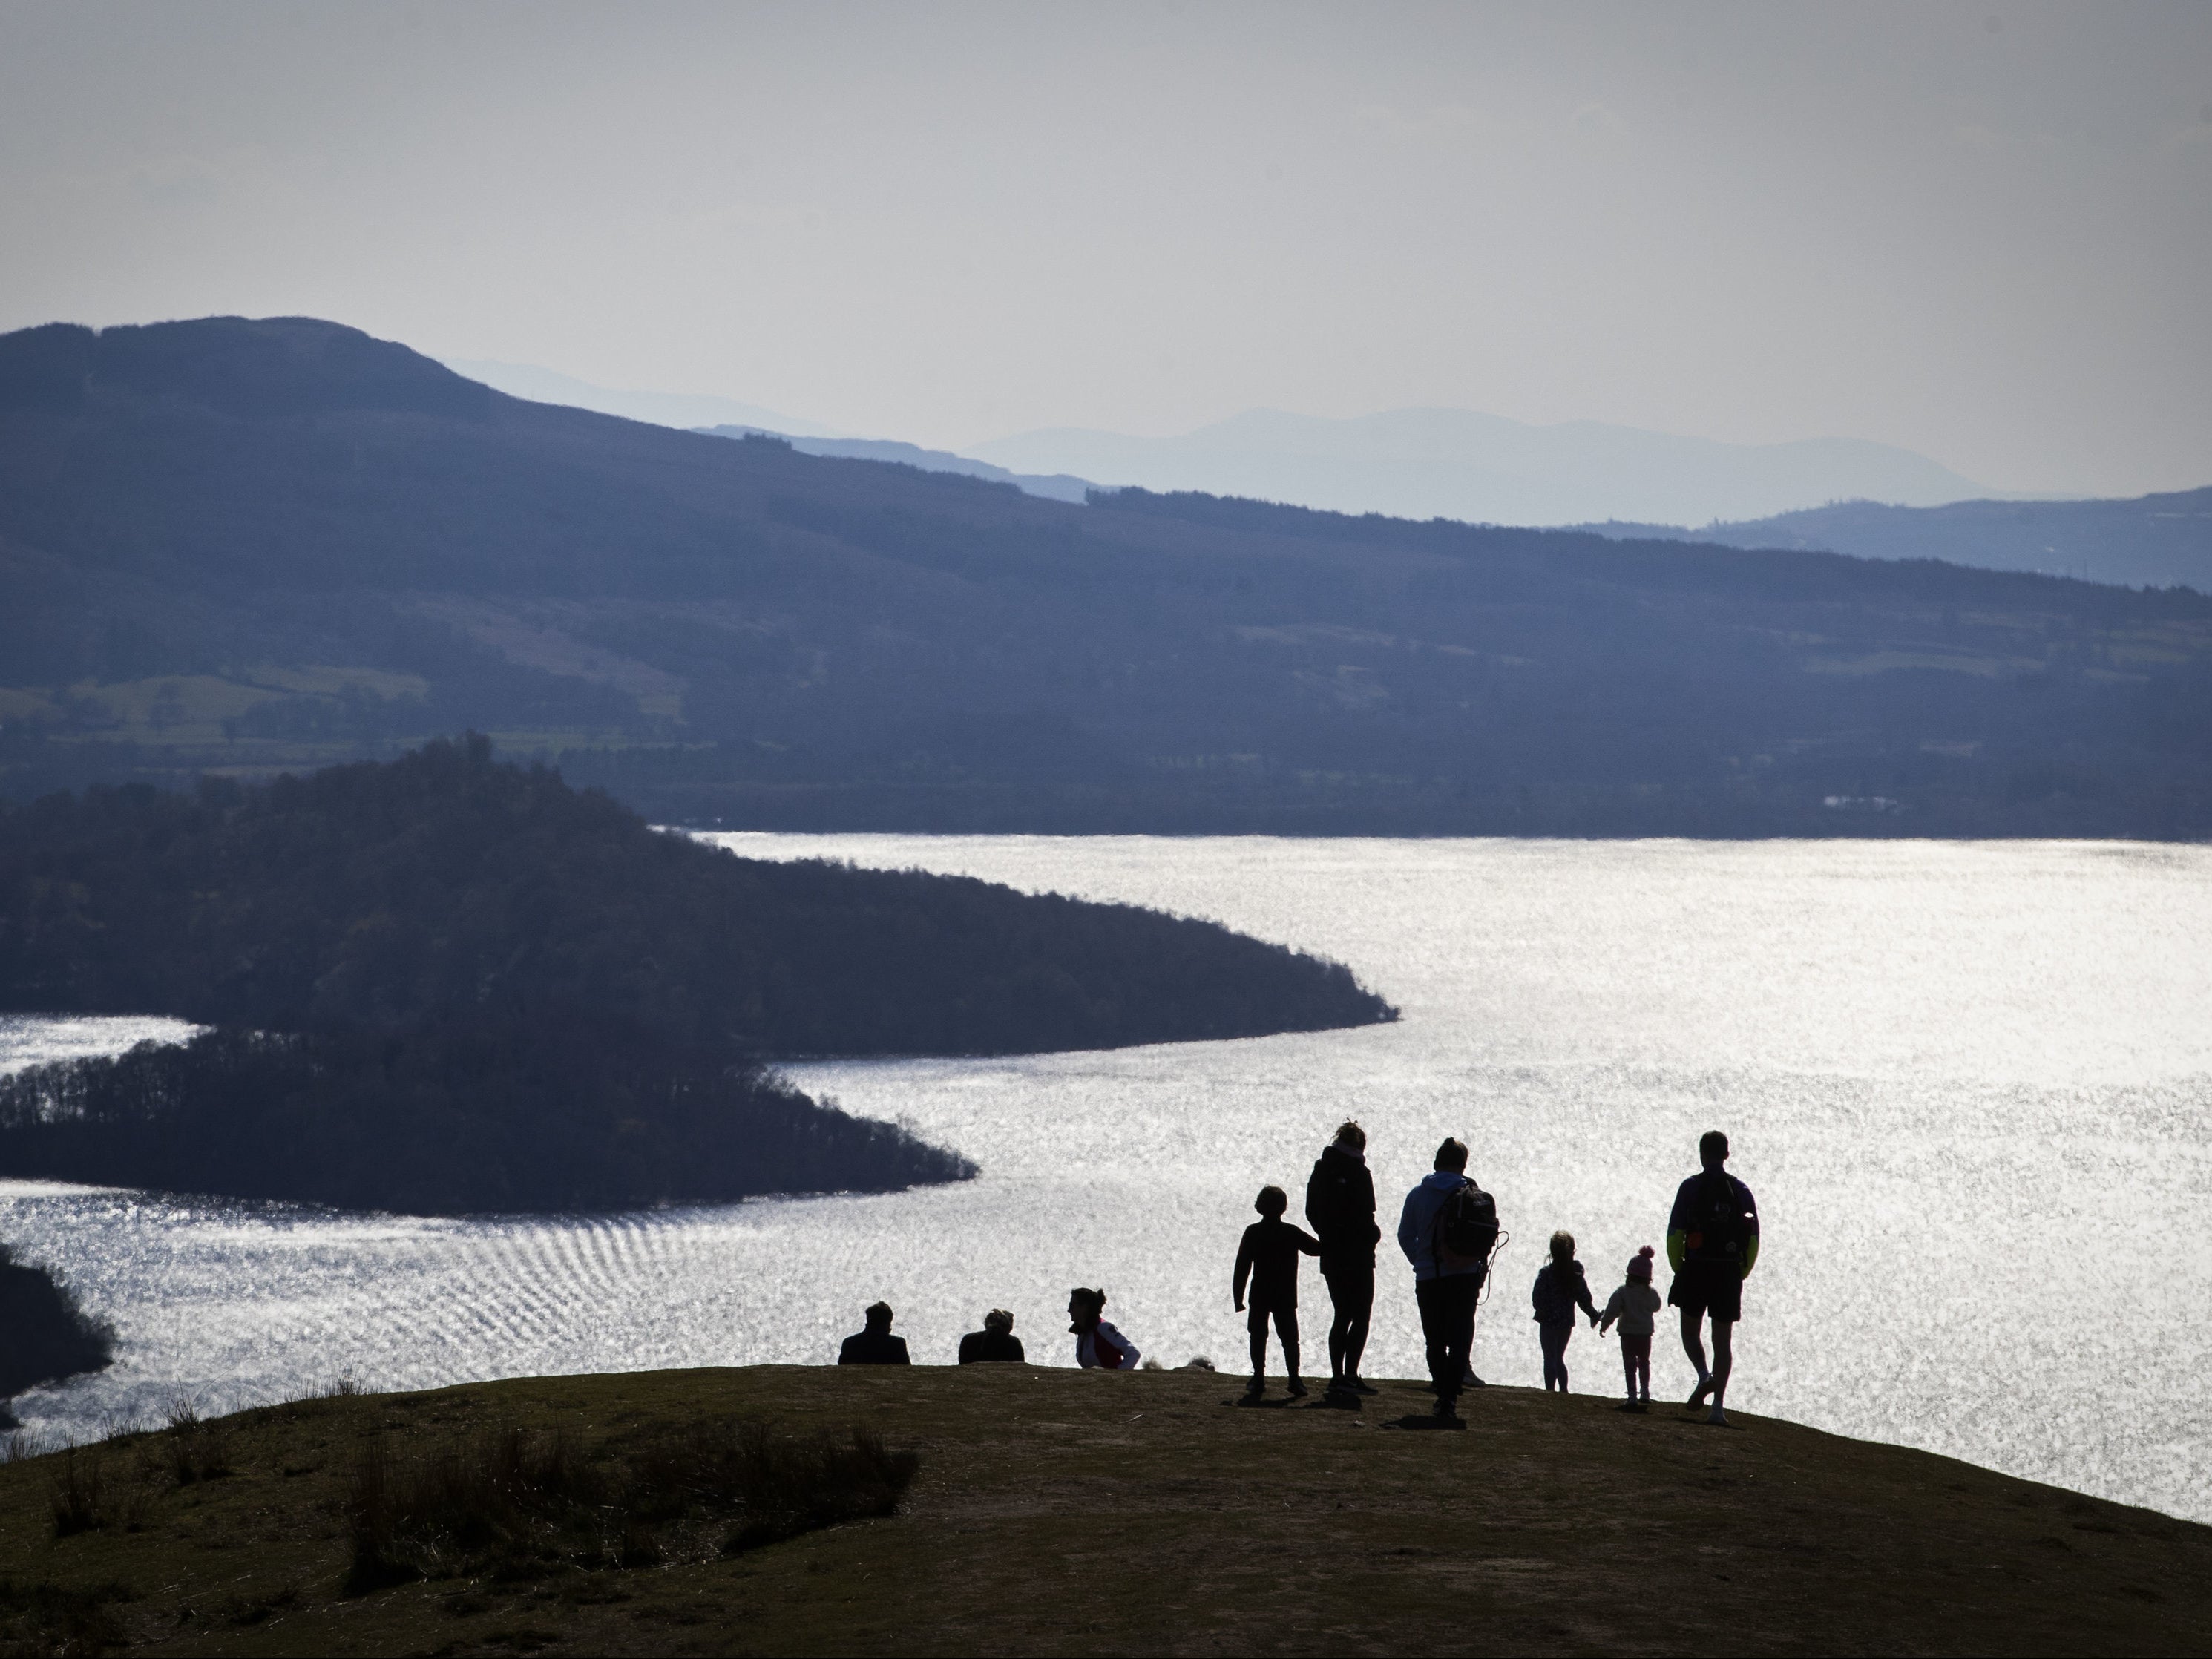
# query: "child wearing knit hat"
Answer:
x=1635 y=1304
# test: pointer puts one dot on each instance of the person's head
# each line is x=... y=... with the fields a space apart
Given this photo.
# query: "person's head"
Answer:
x=999 y=1322
x=1640 y=1265
x=1563 y=1248
x=1085 y=1307
x=1350 y=1136
x=1452 y=1155
x=1272 y=1201
x=880 y=1317
x=1712 y=1149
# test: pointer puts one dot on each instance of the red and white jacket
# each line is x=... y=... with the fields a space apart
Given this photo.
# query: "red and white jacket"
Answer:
x=1104 y=1348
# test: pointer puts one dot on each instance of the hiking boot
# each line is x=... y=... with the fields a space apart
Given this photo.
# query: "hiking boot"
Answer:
x=1698 y=1395
x=1446 y=1411
x=1256 y=1388
x=1718 y=1418
x=1296 y=1389
x=1360 y=1385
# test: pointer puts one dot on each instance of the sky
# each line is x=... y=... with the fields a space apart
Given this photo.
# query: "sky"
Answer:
x=1980 y=231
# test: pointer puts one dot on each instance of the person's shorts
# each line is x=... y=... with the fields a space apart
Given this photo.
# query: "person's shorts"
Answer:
x=1257 y=1317
x=1708 y=1287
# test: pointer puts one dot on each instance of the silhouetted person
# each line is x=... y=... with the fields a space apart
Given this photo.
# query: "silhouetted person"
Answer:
x=1448 y=1273
x=1712 y=1240
x=1098 y=1343
x=875 y=1345
x=1268 y=1256
x=1634 y=1304
x=1561 y=1286
x=1340 y=1209
x=996 y=1341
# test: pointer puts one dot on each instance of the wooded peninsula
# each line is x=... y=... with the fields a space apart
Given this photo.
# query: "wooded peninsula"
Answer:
x=448 y=983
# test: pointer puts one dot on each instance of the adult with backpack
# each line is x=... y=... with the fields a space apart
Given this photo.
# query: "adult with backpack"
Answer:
x=1340 y=1209
x=1447 y=1228
x=1712 y=1240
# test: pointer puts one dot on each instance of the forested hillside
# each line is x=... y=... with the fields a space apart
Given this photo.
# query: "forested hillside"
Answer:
x=448 y=983
x=2151 y=541
x=249 y=546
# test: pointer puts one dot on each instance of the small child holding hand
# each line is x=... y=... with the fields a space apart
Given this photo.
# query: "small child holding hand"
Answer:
x=1269 y=1256
x=1635 y=1304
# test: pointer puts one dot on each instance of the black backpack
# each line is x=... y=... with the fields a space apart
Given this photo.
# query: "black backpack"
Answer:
x=1718 y=1229
x=1467 y=1225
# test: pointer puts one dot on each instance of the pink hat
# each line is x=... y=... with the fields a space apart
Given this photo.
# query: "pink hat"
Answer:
x=1639 y=1266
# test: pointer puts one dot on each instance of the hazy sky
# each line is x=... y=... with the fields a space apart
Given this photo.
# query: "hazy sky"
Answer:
x=1982 y=231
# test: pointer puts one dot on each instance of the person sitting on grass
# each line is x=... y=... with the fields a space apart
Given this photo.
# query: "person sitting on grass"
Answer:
x=875 y=1344
x=1561 y=1286
x=996 y=1341
x=1634 y=1304
x=1098 y=1345
x=1268 y=1256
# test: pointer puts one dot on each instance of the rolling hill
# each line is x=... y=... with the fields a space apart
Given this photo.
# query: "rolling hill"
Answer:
x=250 y=546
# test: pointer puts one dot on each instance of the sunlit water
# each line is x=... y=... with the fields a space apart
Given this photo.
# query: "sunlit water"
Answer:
x=1968 y=1083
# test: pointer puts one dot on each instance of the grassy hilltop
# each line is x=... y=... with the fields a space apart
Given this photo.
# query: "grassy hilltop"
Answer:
x=1061 y=1511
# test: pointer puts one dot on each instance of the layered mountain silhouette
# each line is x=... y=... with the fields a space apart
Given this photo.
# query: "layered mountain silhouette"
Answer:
x=1058 y=487
x=1484 y=468
x=252 y=546
x=2151 y=541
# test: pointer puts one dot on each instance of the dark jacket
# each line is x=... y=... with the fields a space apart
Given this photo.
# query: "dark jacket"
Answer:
x=978 y=1347
x=1559 y=1291
x=1340 y=1209
x=1696 y=1202
x=873 y=1348
x=1269 y=1255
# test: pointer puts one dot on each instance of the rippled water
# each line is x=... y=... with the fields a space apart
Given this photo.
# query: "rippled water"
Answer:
x=1968 y=1083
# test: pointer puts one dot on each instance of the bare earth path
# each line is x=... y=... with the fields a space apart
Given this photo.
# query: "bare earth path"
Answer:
x=1067 y=1512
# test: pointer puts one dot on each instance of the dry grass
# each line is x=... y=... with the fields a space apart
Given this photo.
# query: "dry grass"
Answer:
x=1056 y=1512
x=517 y=1505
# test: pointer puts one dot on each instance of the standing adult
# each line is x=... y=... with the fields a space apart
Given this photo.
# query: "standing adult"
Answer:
x=1712 y=1240
x=1447 y=1280
x=1340 y=1209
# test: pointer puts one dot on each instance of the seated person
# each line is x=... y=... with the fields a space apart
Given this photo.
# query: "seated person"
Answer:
x=996 y=1340
x=1098 y=1343
x=875 y=1345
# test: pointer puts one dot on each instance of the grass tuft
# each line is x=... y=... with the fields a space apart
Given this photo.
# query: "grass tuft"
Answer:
x=48 y=1618
x=510 y=1505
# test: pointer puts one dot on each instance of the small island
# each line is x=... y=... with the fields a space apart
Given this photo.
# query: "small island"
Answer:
x=44 y=1335
x=445 y=983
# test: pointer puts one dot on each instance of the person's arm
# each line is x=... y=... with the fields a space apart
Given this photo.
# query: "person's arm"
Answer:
x=1678 y=1227
x=1409 y=1230
x=1318 y=1215
x=1020 y=1358
x=900 y=1359
x=1243 y=1270
x=1612 y=1311
x=1582 y=1295
x=1306 y=1241
x=1751 y=1226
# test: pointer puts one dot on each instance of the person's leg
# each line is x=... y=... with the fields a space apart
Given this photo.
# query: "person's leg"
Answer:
x=1457 y=1293
x=1724 y=1362
x=1339 y=1326
x=1693 y=1344
x=1429 y=1298
x=1359 y=1308
x=1286 y=1328
x=1636 y=1359
x=1554 y=1340
x=1256 y=1322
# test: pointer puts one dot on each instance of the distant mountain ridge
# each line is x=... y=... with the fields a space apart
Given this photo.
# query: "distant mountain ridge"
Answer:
x=1058 y=487
x=688 y=410
x=2151 y=541
x=1484 y=468
x=248 y=546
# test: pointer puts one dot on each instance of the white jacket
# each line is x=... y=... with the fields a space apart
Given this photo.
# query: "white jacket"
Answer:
x=1115 y=1354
